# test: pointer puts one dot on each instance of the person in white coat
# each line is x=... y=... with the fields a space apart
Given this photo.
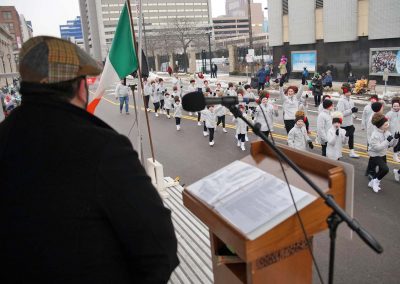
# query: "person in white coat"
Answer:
x=346 y=106
x=155 y=97
x=290 y=104
x=367 y=111
x=381 y=140
x=192 y=88
x=210 y=120
x=241 y=128
x=394 y=121
x=376 y=107
x=177 y=112
x=321 y=106
x=324 y=123
x=265 y=113
x=336 y=138
x=122 y=92
x=298 y=137
x=221 y=111
x=168 y=104
x=161 y=90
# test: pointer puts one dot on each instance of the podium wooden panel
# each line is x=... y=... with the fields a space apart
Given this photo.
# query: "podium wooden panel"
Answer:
x=281 y=254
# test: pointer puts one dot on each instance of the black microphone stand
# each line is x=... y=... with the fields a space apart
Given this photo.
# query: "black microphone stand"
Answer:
x=337 y=216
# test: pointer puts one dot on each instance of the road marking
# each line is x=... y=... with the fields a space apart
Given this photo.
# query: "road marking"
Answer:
x=284 y=137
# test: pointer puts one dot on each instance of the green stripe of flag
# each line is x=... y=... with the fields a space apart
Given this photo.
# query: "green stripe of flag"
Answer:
x=122 y=53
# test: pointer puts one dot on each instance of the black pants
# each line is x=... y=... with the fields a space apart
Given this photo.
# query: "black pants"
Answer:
x=177 y=120
x=396 y=148
x=211 y=136
x=323 y=146
x=146 y=101
x=167 y=111
x=156 y=106
x=351 y=137
x=242 y=137
x=198 y=116
x=381 y=163
x=266 y=133
x=200 y=90
x=303 y=80
x=260 y=86
x=204 y=126
x=221 y=119
x=162 y=104
x=289 y=124
x=317 y=98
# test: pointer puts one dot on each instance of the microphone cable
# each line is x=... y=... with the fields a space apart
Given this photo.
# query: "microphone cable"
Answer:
x=294 y=203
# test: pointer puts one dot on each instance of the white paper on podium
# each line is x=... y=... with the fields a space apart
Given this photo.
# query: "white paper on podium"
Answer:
x=250 y=199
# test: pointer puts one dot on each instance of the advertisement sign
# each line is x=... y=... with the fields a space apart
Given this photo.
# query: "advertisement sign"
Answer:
x=301 y=59
x=381 y=58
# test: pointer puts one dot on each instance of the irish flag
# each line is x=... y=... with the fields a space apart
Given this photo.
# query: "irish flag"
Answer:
x=121 y=60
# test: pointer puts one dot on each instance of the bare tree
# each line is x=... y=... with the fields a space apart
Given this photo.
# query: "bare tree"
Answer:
x=184 y=31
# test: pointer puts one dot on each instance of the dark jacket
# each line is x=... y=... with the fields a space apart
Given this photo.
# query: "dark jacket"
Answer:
x=76 y=206
x=261 y=75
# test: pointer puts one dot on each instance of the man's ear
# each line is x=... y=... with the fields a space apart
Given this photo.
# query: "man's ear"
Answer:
x=83 y=91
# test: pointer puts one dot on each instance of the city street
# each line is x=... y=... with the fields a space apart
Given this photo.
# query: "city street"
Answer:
x=187 y=154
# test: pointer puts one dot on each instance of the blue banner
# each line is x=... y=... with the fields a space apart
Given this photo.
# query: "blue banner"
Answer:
x=301 y=59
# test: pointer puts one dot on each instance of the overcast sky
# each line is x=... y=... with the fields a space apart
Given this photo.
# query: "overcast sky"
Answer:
x=47 y=15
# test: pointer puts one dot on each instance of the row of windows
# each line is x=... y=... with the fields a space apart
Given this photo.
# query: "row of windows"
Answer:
x=158 y=4
x=159 y=17
x=7 y=15
x=160 y=11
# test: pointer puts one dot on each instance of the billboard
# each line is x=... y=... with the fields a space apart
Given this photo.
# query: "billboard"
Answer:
x=301 y=59
x=381 y=58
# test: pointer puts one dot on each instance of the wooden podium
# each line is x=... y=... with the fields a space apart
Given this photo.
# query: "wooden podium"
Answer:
x=281 y=254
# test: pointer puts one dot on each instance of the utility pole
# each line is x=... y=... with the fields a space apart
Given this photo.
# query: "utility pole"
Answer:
x=250 y=34
x=209 y=46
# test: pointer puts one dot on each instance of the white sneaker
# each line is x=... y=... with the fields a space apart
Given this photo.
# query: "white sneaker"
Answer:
x=246 y=138
x=396 y=175
x=205 y=133
x=242 y=146
x=156 y=114
x=190 y=113
x=224 y=130
x=211 y=143
x=353 y=154
x=199 y=123
x=396 y=157
x=169 y=117
x=178 y=127
x=238 y=143
x=375 y=185
x=148 y=109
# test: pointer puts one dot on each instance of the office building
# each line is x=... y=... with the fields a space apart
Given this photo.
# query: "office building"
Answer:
x=358 y=35
x=10 y=18
x=26 y=28
x=100 y=18
x=72 y=31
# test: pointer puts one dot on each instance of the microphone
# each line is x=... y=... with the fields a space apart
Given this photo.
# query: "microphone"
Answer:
x=196 y=101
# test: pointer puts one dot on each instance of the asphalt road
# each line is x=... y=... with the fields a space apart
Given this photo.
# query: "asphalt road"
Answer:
x=187 y=154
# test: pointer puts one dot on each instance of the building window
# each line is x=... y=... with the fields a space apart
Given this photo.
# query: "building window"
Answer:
x=319 y=4
x=285 y=7
x=7 y=16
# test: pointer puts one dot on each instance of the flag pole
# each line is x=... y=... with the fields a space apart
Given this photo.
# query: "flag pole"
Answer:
x=140 y=77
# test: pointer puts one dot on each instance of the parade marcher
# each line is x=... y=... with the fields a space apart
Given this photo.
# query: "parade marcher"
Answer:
x=282 y=68
x=241 y=128
x=317 y=89
x=122 y=92
x=210 y=120
x=347 y=108
x=324 y=123
x=261 y=76
x=367 y=112
x=76 y=204
x=177 y=82
x=231 y=90
x=155 y=98
x=380 y=141
x=218 y=89
x=265 y=113
x=394 y=121
x=336 y=137
x=177 y=112
x=169 y=70
x=168 y=104
x=176 y=93
x=199 y=77
x=161 y=90
x=192 y=88
x=220 y=112
x=298 y=137
x=290 y=104
x=321 y=106
x=250 y=95
x=214 y=70
x=147 y=92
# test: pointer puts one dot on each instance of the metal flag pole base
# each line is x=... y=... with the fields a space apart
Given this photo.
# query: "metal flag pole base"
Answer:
x=156 y=172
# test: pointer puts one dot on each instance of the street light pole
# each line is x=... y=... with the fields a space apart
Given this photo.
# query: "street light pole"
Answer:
x=250 y=34
x=209 y=47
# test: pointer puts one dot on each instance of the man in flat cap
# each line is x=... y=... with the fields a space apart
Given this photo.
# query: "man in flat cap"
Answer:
x=76 y=206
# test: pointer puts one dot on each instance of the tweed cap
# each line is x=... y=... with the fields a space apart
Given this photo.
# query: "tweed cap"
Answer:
x=45 y=59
